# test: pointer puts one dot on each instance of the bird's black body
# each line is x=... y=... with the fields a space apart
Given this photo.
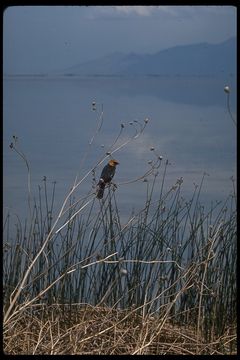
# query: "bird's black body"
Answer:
x=108 y=173
x=106 y=176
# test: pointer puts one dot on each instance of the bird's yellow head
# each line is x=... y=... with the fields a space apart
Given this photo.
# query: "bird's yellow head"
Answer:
x=113 y=162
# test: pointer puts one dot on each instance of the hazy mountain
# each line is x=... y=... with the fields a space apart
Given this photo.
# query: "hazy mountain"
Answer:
x=195 y=59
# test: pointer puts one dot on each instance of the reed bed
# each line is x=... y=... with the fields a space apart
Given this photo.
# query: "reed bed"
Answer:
x=82 y=281
x=97 y=330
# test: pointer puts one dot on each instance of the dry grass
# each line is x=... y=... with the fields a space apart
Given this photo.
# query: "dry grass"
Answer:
x=84 y=329
x=162 y=283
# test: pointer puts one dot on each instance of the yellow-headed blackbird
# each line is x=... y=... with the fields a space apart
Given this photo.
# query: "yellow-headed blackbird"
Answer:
x=106 y=177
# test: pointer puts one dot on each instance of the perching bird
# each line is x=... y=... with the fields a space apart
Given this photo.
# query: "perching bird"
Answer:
x=106 y=177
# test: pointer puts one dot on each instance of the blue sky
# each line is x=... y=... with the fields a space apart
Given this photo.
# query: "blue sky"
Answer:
x=48 y=38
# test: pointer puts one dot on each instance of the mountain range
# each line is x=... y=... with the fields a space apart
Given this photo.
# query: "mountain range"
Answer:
x=202 y=59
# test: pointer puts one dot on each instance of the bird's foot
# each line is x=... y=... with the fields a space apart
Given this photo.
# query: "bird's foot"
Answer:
x=114 y=186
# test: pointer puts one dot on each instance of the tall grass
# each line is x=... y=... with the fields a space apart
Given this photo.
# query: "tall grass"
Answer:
x=172 y=262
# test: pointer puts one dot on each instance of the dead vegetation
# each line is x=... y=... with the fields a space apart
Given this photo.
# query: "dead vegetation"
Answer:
x=89 y=283
x=100 y=330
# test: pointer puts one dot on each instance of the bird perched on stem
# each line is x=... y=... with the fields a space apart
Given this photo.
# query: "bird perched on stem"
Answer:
x=106 y=177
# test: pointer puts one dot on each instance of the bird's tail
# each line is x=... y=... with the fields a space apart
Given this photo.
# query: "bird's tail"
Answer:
x=100 y=189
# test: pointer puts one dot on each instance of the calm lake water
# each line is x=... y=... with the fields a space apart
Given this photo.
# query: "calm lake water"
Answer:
x=54 y=121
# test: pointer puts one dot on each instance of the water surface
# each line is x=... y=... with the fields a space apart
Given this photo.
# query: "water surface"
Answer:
x=53 y=118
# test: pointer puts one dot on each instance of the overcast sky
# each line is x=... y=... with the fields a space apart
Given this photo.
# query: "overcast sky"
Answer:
x=48 y=38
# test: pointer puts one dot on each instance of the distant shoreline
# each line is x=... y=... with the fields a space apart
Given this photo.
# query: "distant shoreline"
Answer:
x=51 y=76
